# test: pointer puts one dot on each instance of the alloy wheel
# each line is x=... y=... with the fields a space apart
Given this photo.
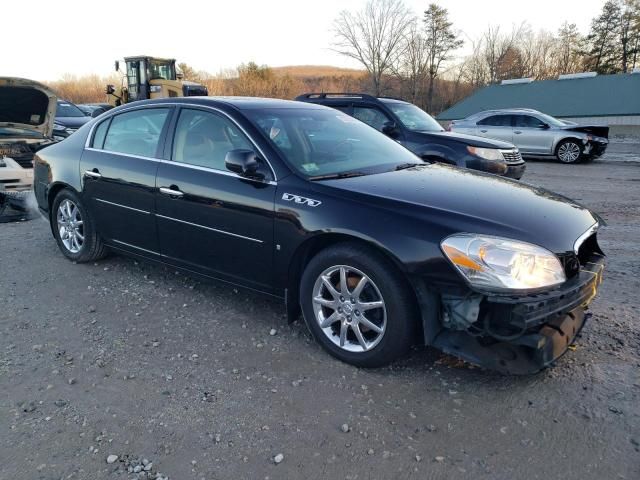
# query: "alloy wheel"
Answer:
x=70 y=226
x=349 y=308
x=569 y=152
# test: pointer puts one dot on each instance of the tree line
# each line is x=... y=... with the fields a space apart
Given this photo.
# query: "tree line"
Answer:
x=414 y=57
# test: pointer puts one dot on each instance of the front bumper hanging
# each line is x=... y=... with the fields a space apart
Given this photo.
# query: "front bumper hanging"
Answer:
x=549 y=323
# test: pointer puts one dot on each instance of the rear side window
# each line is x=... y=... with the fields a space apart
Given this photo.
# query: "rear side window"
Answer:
x=100 y=133
x=496 y=121
x=137 y=132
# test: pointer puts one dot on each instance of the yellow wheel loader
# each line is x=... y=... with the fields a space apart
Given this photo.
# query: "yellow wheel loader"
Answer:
x=149 y=77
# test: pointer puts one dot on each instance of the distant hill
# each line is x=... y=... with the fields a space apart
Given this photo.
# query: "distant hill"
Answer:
x=315 y=71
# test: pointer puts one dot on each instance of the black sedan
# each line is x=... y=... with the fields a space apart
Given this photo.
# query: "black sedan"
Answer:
x=377 y=249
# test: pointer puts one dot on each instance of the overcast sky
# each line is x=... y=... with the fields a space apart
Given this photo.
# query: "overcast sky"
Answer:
x=43 y=39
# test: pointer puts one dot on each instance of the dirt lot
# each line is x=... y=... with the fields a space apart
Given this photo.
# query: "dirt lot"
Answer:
x=208 y=382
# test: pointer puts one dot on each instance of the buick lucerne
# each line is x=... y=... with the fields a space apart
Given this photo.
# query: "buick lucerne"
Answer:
x=377 y=249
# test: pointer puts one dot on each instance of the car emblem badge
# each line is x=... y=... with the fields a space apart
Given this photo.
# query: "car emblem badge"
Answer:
x=301 y=200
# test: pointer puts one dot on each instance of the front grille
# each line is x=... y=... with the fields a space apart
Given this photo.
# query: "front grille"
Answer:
x=512 y=156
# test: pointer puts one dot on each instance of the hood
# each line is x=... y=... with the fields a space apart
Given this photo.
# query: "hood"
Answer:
x=597 y=130
x=454 y=200
x=471 y=140
x=27 y=104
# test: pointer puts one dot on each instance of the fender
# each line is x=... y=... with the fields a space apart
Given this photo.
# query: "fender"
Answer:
x=443 y=153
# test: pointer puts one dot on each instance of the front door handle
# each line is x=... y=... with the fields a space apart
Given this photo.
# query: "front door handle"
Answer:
x=517 y=132
x=171 y=192
x=93 y=173
x=483 y=131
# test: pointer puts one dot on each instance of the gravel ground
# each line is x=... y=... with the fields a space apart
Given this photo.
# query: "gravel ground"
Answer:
x=126 y=370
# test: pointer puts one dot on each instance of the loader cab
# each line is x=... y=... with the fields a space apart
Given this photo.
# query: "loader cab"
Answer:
x=147 y=76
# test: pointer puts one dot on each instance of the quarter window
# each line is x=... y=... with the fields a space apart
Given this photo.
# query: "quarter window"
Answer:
x=137 y=132
x=100 y=134
x=496 y=121
x=204 y=139
x=371 y=116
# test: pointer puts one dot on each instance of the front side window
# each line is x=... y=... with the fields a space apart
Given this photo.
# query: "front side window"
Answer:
x=414 y=118
x=161 y=71
x=371 y=116
x=204 y=139
x=496 y=121
x=329 y=143
x=137 y=132
x=527 y=121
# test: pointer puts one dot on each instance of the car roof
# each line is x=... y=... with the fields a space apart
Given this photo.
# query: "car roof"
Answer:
x=506 y=111
x=240 y=103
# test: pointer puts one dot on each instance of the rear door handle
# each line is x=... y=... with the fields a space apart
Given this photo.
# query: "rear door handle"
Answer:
x=93 y=173
x=171 y=192
x=483 y=131
x=517 y=132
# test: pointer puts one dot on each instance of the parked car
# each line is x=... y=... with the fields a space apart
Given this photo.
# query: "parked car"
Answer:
x=424 y=136
x=94 y=109
x=377 y=248
x=26 y=122
x=68 y=119
x=538 y=134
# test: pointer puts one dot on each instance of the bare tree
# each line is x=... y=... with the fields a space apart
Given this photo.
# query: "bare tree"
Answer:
x=567 y=55
x=373 y=36
x=411 y=65
x=497 y=46
x=440 y=42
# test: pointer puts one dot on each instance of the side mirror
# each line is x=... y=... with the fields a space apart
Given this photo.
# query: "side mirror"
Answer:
x=243 y=162
x=96 y=113
x=117 y=65
x=390 y=129
x=544 y=126
x=110 y=90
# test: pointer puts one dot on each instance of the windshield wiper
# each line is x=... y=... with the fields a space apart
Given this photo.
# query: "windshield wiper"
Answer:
x=333 y=176
x=404 y=166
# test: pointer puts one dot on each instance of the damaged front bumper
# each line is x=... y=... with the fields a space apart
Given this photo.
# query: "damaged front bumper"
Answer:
x=521 y=334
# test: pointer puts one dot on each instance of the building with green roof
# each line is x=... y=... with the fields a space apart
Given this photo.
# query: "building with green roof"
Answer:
x=586 y=98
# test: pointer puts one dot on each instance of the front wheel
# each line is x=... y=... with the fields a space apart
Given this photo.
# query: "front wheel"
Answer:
x=357 y=305
x=569 y=151
x=74 y=229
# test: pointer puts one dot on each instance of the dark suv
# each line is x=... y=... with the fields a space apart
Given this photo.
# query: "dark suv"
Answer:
x=420 y=133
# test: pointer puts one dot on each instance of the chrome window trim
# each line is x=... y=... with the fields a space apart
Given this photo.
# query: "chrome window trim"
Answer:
x=187 y=165
x=210 y=228
x=580 y=240
x=87 y=143
x=121 y=206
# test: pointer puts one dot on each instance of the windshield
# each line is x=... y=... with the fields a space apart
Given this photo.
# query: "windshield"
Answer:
x=414 y=118
x=18 y=132
x=65 y=109
x=554 y=122
x=161 y=70
x=319 y=143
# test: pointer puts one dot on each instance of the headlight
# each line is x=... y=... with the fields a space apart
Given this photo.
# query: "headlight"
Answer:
x=501 y=264
x=486 y=153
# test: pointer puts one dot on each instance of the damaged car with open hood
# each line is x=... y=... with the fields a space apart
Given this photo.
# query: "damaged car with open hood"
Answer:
x=377 y=249
x=27 y=111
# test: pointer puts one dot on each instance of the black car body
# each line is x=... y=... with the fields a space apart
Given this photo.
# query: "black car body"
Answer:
x=69 y=118
x=302 y=202
x=420 y=133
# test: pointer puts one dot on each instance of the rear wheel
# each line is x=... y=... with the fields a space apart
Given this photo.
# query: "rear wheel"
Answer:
x=569 y=151
x=357 y=305
x=74 y=229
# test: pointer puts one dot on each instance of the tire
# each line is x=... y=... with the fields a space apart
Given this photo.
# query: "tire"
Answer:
x=569 y=151
x=334 y=317
x=74 y=229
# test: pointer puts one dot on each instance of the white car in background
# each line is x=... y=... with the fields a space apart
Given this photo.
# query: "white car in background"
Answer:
x=27 y=112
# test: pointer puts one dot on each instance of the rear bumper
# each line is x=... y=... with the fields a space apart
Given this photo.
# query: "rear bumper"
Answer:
x=548 y=324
